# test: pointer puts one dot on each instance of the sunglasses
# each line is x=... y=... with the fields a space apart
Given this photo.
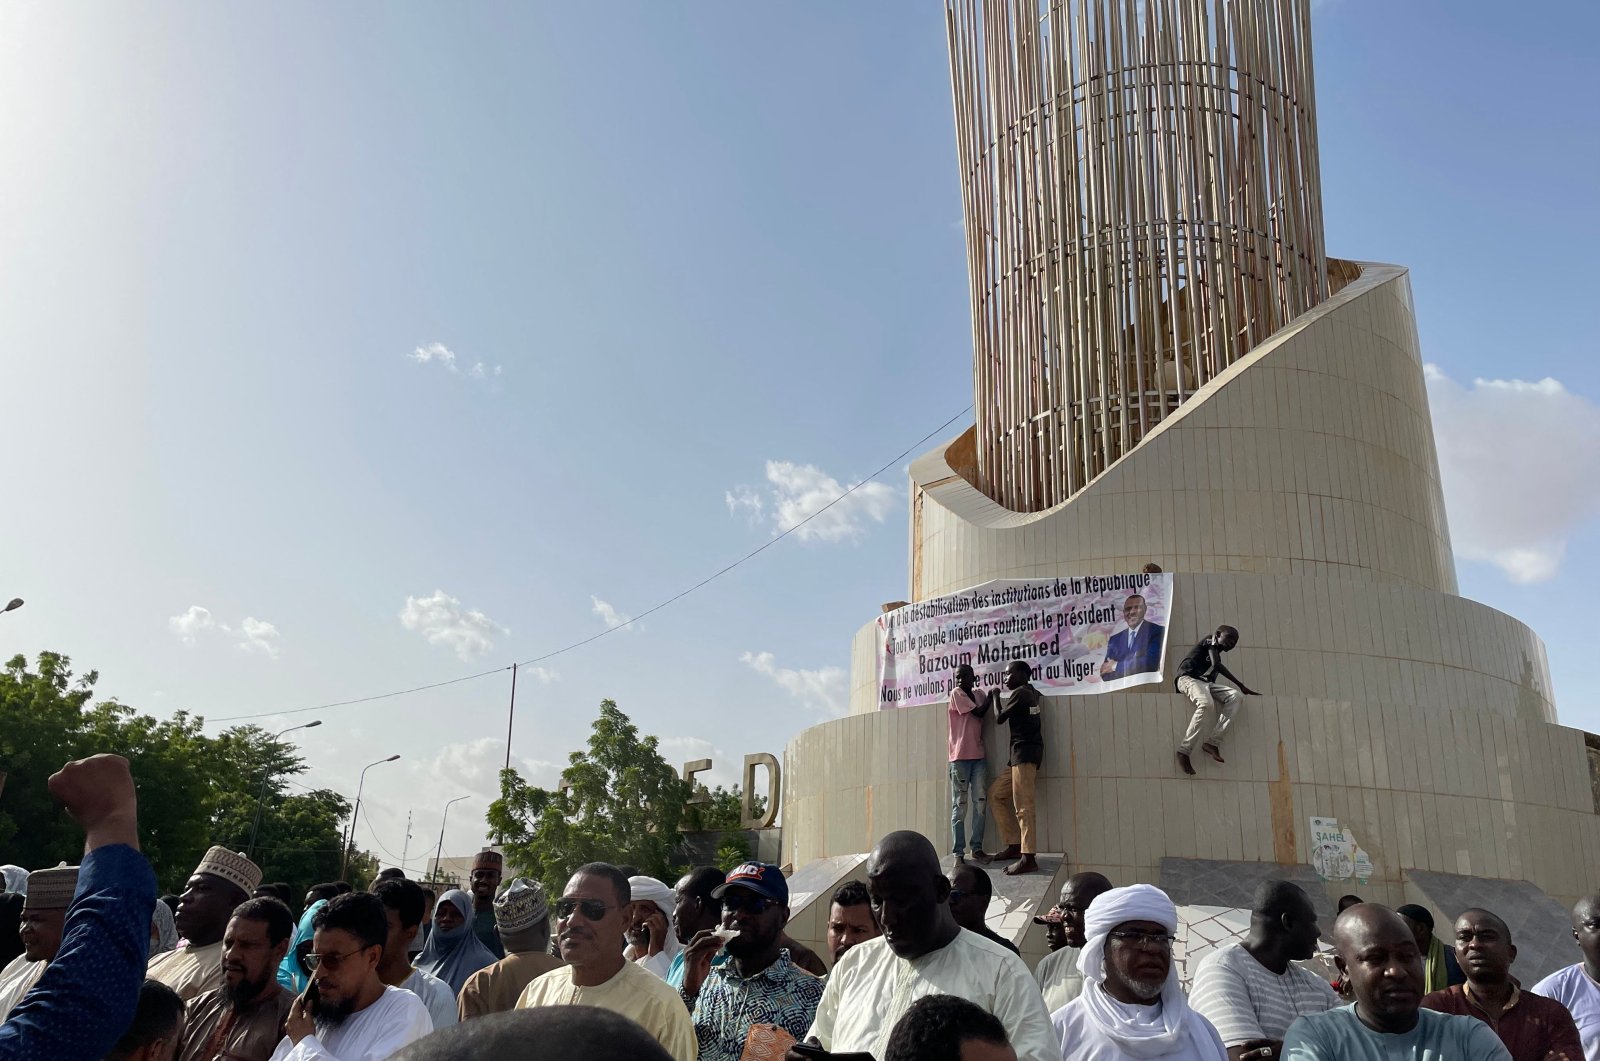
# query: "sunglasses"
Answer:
x=747 y=903
x=592 y=909
x=312 y=959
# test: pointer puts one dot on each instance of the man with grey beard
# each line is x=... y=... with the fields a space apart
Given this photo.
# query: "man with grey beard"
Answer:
x=1132 y=1005
x=243 y=1019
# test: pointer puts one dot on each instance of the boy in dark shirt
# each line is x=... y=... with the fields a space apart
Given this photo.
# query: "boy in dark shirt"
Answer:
x=1197 y=676
x=1011 y=796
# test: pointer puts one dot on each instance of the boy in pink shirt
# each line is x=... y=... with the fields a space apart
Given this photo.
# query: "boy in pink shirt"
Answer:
x=968 y=763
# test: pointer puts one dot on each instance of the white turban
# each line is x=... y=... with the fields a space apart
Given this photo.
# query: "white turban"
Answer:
x=650 y=890
x=1136 y=902
x=16 y=879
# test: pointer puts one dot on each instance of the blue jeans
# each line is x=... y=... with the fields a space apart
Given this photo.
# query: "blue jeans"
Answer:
x=967 y=779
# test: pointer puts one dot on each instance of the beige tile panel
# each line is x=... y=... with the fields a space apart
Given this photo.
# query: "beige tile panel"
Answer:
x=1460 y=790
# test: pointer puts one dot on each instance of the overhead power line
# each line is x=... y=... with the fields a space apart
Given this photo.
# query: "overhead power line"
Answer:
x=751 y=555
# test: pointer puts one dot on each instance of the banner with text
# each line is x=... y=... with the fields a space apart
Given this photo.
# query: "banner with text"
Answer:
x=1092 y=634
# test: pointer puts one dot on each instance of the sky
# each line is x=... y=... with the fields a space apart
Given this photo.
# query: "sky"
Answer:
x=351 y=348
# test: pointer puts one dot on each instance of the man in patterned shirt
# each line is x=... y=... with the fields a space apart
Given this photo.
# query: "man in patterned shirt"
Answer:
x=759 y=984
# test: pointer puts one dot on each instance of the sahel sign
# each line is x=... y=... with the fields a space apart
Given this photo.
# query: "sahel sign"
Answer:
x=1335 y=854
x=1092 y=634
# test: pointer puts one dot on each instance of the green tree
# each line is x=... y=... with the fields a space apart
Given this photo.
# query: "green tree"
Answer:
x=723 y=809
x=194 y=790
x=623 y=804
x=40 y=716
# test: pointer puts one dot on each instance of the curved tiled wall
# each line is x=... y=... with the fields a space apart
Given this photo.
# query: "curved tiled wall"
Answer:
x=1296 y=497
x=1314 y=455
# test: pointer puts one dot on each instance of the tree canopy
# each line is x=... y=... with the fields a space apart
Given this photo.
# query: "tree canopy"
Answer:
x=194 y=790
x=621 y=803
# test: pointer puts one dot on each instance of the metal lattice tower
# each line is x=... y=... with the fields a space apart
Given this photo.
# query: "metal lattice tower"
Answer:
x=1143 y=206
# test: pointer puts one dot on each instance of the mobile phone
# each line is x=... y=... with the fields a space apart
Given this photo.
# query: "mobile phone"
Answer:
x=312 y=997
x=812 y=1050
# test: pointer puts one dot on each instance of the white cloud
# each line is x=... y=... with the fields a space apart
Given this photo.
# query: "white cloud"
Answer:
x=797 y=491
x=742 y=500
x=609 y=615
x=823 y=691
x=725 y=769
x=259 y=636
x=434 y=352
x=545 y=675
x=1519 y=460
x=189 y=625
x=443 y=621
x=440 y=354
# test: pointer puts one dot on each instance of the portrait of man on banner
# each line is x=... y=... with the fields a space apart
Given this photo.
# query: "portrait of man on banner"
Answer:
x=1136 y=648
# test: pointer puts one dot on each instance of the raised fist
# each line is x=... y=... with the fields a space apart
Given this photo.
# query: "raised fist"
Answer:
x=98 y=793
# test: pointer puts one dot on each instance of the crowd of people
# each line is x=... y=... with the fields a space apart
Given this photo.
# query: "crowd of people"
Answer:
x=621 y=965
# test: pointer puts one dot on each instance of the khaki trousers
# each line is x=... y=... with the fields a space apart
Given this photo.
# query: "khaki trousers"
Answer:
x=1216 y=702
x=1011 y=799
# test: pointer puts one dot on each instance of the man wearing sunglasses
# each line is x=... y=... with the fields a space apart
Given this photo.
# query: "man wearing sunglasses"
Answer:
x=971 y=892
x=591 y=917
x=348 y=1013
x=760 y=984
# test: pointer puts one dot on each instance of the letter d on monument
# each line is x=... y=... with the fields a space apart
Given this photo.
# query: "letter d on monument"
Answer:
x=748 y=818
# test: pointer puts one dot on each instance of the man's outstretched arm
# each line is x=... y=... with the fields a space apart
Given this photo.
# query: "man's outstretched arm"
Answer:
x=86 y=999
x=1228 y=674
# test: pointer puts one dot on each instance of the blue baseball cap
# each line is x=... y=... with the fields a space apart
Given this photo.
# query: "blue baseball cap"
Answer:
x=759 y=877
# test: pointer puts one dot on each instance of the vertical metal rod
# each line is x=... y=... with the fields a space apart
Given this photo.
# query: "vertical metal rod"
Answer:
x=511 y=715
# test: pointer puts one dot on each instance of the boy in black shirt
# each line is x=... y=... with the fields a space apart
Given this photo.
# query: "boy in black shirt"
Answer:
x=1197 y=676
x=1011 y=796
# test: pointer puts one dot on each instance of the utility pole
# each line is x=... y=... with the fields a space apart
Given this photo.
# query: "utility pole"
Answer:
x=511 y=716
x=405 y=850
x=437 y=855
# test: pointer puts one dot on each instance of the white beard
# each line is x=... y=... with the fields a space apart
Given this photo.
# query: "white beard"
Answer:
x=1147 y=989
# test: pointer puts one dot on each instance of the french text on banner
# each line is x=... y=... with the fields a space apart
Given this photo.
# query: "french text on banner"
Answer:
x=1088 y=634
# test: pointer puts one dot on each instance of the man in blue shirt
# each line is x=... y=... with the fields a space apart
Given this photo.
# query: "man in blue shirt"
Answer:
x=694 y=911
x=87 y=998
x=759 y=984
x=1387 y=1023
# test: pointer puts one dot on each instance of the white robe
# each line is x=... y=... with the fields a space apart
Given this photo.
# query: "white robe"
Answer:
x=1059 y=978
x=397 y=1019
x=436 y=995
x=1084 y=1040
x=871 y=988
x=16 y=980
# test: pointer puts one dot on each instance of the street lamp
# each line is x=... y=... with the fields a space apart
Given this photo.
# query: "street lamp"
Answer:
x=250 y=851
x=344 y=858
x=16 y=602
x=439 y=853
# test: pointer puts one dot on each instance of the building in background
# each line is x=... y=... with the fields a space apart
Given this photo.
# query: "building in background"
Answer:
x=1169 y=369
